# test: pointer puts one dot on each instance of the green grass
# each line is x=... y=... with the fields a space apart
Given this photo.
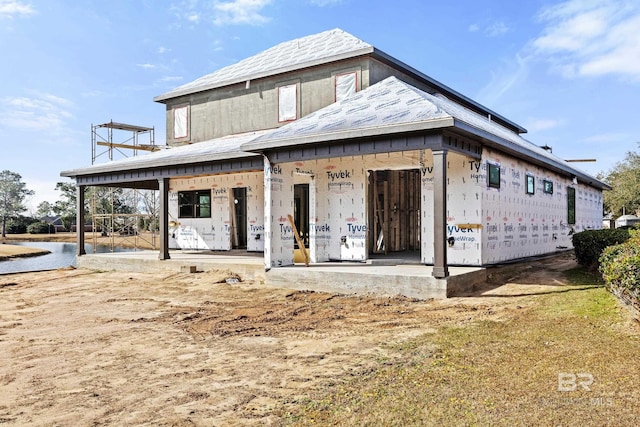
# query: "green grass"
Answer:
x=501 y=373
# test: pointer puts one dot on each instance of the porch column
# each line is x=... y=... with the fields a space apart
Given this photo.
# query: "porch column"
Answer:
x=163 y=186
x=80 y=220
x=268 y=226
x=440 y=268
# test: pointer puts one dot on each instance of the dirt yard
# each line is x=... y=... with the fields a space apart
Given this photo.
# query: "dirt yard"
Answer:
x=84 y=348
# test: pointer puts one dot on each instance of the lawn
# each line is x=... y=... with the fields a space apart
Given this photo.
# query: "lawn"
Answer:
x=571 y=358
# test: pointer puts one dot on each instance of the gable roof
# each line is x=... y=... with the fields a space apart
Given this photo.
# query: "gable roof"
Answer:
x=303 y=52
x=394 y=107
x=316 y=49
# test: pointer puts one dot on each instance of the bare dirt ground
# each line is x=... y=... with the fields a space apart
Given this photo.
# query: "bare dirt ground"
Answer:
x=84 y=348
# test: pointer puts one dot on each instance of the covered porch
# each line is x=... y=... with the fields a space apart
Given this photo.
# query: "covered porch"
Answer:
x=380 y=277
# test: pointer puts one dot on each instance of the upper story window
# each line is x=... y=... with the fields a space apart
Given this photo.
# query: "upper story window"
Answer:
x=548 y=186
x=287 y=103
x=194 y=204
x=346 y=85
x=181 y=122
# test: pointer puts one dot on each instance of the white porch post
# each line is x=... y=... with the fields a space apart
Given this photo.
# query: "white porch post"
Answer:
x=268 y=221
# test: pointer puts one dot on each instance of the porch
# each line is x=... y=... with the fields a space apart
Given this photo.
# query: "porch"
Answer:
x=383 y=277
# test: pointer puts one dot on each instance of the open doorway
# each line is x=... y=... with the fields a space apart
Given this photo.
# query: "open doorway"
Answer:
x=394 y=212
x=301 y=212
x=239 y=218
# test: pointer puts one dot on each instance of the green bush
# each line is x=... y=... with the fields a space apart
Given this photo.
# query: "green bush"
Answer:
x=40 y=228
x=19 y=224
x=588 y=245
x=620 y=265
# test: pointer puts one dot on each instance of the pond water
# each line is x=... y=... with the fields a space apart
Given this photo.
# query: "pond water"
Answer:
x=62 y=255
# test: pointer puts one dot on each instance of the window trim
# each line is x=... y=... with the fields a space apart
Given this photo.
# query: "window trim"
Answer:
x=195 y=205
x=529 y=184
x=490 y=183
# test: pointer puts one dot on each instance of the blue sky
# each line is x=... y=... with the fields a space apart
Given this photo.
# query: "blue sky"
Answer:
x=568 y=71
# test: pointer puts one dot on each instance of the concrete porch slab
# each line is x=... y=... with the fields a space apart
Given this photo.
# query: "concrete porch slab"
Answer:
x=410 y=280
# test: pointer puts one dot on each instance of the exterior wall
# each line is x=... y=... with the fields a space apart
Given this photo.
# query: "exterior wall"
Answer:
x=215 y=233
x=484 y=225
x=236 y=109
x=464 y=230
x=518 y=225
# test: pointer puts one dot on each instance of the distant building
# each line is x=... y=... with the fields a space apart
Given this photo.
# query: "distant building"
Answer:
x=370 y=156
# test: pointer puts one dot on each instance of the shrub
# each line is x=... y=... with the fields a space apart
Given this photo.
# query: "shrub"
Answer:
x=620 y=265
x=19 y=224
x=40 y=228
x=588 y=245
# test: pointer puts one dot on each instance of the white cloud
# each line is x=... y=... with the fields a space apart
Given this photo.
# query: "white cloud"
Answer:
x=168 y=79
x=146 y=66
x=12 y=8
x=592 y=38
x=42 y=112
x=496 y=29
x=162 y=50
x=503 y=79
x=493 y=29
x=537 y=124
x=607 y=138
x=240 y=12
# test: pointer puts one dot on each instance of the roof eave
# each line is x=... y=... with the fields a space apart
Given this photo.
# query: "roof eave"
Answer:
x=283 y=70
x=521 y=152
x=108 y=168
x=277 y=143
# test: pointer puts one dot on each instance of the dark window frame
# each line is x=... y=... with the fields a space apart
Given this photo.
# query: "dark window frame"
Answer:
x=571 y=205
x=493 y=170
x=547 y=186
x=529 y=184
x=194 y=204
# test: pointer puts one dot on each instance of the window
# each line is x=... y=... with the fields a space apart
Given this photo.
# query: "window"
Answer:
x=181 y=122
x=571 y=205
x=346 y=85
x=530 y=184
x=194 y=204
x=287 y=103
x=548 y=187
x=493 y=175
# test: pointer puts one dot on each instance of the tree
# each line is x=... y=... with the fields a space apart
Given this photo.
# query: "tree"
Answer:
x=66 y=206
x=624 y=179
x=44 y=209
x=13 y=193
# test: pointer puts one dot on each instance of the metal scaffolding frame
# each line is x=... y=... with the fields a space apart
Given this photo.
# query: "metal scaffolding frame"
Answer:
x=111 y=141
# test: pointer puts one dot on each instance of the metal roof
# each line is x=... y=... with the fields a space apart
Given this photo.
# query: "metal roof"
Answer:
x=224 y=148
x=393 y=106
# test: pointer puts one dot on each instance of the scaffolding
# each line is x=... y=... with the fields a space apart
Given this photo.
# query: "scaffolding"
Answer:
x=122 y=217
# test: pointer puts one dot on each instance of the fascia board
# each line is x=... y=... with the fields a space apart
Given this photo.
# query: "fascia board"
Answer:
x=518 y=151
